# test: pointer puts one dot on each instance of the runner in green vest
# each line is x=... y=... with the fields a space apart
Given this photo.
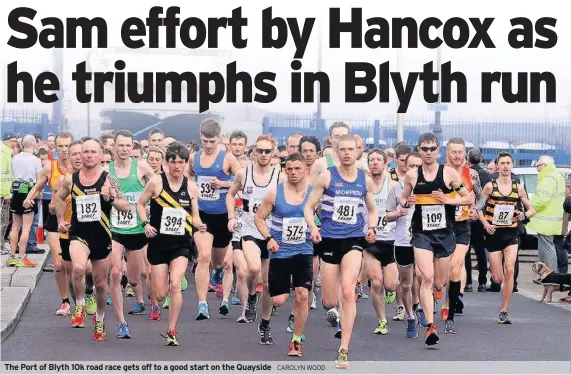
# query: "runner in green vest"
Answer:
x=127 y=230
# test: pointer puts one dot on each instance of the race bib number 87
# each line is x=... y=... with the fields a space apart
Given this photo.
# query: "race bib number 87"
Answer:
x=88 y=208
x=345 y=210
x=173 y=221
x=503 y=215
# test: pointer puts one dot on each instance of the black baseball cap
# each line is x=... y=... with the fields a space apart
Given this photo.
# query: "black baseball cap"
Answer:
x=9 y=135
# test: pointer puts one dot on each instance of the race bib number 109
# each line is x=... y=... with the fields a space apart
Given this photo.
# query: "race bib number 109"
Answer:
x=433 y=217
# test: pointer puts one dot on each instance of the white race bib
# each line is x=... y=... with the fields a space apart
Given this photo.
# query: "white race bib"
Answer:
x=128 y=219
x=88 y=208
x=173 y=221
x=433 y=217
x=205 y=190
x=408 y=227
x=345 y=210
x=256 y=203
x=383 y=226
x=503 y=215
x=458 y=212
x=294 y=230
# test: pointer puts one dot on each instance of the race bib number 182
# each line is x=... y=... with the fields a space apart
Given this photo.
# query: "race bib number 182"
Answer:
x=88 y=208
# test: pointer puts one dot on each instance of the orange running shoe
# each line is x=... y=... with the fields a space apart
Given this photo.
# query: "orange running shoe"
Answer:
x=99 y=331
x=155 y=313
x=259 y=288
x=444 y=313
x=295 y=349
x=431 y=336
x=78 y=317
x=26 y=262
x=438 y=294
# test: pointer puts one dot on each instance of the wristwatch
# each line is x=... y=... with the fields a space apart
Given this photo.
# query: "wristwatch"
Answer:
x=111 y=199
x=144 y=223
x=270 y=237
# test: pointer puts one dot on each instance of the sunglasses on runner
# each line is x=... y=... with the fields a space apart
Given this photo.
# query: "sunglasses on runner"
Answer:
x=429 y=149
x=266 y=151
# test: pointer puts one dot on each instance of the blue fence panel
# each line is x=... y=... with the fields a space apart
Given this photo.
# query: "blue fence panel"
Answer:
x=527 y=140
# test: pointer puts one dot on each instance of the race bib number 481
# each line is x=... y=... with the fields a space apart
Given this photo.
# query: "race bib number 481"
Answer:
x=205 y=190
x=345 y=210
x=433 y=217
x=173 y=221
x=88 y=208
x=294 y=230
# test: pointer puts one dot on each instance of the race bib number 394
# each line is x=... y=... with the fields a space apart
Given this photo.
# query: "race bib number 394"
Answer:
x=433 y=217
x=173 y=221
x=205 y=190
x=88 y=208
x=294 y=230
x=345 y=210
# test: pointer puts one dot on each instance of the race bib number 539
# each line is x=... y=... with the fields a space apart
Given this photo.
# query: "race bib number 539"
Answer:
x=205 y=190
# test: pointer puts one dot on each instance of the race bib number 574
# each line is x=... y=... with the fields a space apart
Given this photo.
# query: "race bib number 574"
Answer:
x=293 y=231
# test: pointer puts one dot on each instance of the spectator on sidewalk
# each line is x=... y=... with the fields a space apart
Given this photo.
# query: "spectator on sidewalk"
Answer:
x=25 y=168
x=6 y=178
x=548 y=201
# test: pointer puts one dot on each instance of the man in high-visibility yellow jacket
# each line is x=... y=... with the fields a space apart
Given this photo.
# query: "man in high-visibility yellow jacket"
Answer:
x=548 y=201
x=6 y=178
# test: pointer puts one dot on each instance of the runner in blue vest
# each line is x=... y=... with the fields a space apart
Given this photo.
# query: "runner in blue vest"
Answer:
x=345 y=190
x=213 y=171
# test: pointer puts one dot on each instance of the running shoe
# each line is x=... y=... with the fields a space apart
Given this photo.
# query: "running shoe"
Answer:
x=390 y=297
x=211 y=288
x=78 y=317
x=184 y=284
x=399 y=314
x=123 y=331
x=91 y=304
x=431 y=336
x=242 y=319
x=217 y=276
x=219 y=291
x=313 y=305
x=64 y=309
x=337 y=333
x=129 y=292
x=259 y=288
x=155 y=313
x=438 y=294
x=99 y=331
x=411 y=332
x=566 y=299
x=332 y=316
x=295 y=349
x=251 y=313
x=109 y=300
x=25 y=262
x=265 y=335
x=290 y=324
x=12 y=262
x=361 y=293
x=224 y=308
x=459 y=306
x=202 y=311
x=444 y=313
x=274 y=310
x=167 y=302
x=170 y=338
x=450 y=327
x=342 y=360
x=504 y=318
x=421 y=317
x=138 y=309
x=235 y=299
x=382 y=328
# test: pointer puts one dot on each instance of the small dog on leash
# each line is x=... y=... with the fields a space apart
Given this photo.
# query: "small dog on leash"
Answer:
x=543 y=271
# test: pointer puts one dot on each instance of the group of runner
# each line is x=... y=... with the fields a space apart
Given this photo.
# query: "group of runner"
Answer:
x=343 y=214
